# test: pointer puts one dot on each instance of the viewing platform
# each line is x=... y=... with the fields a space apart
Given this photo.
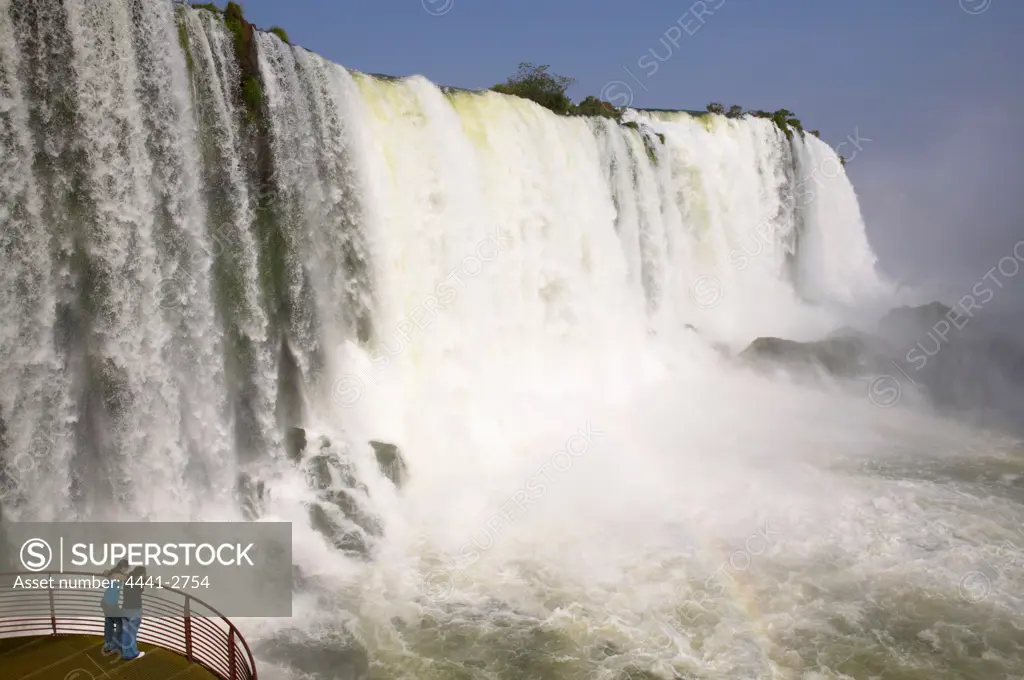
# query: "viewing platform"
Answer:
x=57 y=634
x=80 y=657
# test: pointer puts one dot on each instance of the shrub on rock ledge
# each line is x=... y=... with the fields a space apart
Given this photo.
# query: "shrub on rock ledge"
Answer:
x=537 y=84
x=280 y=33
x=592 y=106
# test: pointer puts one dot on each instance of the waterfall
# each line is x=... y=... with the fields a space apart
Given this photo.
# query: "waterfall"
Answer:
x=236 y=277
x=199 y=245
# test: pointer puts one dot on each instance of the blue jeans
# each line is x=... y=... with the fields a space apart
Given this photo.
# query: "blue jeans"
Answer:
x=111 y=634
x=129 y=635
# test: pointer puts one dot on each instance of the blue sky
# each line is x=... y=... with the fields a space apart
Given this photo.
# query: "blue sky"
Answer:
x=936 y=85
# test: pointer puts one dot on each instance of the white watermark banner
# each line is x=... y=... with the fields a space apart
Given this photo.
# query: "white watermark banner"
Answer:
x=238 y=568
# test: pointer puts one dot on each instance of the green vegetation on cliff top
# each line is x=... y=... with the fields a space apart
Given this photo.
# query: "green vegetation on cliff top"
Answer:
x=280 y=33
x=233 y=13
x=530 y=81
x=538 y=84
x=784 y=119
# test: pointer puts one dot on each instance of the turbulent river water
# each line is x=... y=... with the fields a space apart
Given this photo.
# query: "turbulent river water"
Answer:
x=541 y=312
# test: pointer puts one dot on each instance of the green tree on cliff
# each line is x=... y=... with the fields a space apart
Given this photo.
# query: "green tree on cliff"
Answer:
x=592 y=106
x=536 y=83
x=280 y=33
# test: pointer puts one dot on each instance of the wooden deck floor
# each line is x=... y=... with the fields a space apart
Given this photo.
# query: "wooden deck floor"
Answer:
x=80 y=657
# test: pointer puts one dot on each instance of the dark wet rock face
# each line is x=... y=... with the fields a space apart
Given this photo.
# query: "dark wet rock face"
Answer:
x=958 y=361
x=339 y=512
x=389 y=459
x=327 y=469
x=351 y=542
x=840 y=356
x=318 y=473
x=349 y=506
x=295 y=443
x=912 y=322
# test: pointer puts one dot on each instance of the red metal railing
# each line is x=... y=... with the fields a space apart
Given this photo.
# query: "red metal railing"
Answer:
x=172 y=619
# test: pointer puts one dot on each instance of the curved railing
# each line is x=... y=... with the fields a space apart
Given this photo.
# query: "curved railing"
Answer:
x=172 y=619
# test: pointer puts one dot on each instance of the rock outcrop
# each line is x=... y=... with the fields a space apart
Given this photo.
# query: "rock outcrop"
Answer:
x=959 y=362
x=845 y=356
x=389 y=459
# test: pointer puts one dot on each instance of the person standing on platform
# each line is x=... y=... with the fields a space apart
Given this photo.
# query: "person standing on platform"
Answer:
x=131 y=615
x=111 y=604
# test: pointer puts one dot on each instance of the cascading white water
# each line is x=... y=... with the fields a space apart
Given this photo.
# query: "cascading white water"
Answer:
x=35 y=399
x=839 y=264
x=203 y=251
x=213 y=60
